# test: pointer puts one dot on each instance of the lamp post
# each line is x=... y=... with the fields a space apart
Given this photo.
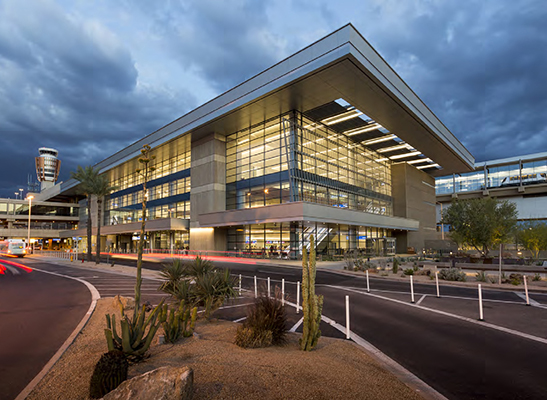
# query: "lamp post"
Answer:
x=16 y=194
x=21 y=194
x=29 y=198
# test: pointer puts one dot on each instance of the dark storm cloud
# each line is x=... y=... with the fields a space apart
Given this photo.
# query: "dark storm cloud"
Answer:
x=482 y=69
x=226 y=43
x=72 y=87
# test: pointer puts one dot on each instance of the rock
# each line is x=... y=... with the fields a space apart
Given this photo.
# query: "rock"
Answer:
x=165 y=383
x=127 y=302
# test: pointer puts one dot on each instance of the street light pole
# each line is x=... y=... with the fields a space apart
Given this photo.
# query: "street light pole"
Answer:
x=29 y=208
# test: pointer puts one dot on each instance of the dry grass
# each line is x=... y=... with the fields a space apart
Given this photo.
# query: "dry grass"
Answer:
x=335 y=370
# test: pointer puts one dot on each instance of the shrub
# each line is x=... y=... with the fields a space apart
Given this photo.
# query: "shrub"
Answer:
x=452 y=274
x=409 y=271
x=481 y=276
x=395 y=267
x=537 y=277
x=109 y=372
x=178 y=322
x=199 y=283
x=516 y=279
x=265 y=324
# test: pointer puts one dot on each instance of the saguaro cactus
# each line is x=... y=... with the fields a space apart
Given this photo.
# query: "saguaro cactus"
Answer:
x=312 y=305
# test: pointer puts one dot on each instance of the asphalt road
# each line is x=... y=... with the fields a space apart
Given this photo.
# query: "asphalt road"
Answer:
x=38 y=312
x=460 y=359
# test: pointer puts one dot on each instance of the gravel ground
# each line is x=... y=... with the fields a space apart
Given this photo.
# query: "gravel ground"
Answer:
x=336 y=369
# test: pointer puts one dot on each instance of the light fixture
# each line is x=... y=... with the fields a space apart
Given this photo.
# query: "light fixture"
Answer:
x=399 y=156
x=378 y=140
x=393 y=148
x=367 y=128
x=419 y=161
x=428 y=166
x=342 y=117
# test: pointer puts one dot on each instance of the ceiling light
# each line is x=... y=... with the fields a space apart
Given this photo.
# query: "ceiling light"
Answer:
x=378 y=140
x=393 y=148
x=399 y=156
x=419 y=161
x=367 y=128
x=342 y=117
x=428 y=166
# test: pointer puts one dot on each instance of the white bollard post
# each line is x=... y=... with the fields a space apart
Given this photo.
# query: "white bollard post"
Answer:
x=256 y=289
x=437 y=283
x=347 y=318
x=283 y=291
x=368 y=284
x=481 y=316
x=412 y=289
x=526 y=291
x=297 y=297
x=240 y=284
x=269 y=291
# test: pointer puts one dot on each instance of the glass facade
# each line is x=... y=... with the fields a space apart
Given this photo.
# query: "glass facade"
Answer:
x=168 y=188
x=292 y=158
x=532 y=172
x=285 y=240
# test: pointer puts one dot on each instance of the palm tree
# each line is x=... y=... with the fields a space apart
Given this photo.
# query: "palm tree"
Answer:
x=86 y=176
x=100 y=187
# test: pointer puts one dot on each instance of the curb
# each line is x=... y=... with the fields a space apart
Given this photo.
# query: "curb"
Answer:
x=95 y=296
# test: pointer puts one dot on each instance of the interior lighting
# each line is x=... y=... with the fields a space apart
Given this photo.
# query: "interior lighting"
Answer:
x=393 y=148
x=342 y=117
x=381 y=159
x=367 y=128
x=266 y=191
x=428 y=166
x=378 y=140
x=419 y=161
x=399 y=156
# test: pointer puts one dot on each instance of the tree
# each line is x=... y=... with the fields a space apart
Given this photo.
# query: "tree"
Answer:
x=533 y=236
x=481 y=223
x=100 y=187
x=86 y=176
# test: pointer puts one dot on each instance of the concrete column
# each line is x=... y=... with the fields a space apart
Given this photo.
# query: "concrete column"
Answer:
x=413 y=194
x=208 y=193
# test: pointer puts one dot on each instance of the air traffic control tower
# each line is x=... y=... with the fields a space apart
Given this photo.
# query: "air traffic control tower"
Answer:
x=47 y=167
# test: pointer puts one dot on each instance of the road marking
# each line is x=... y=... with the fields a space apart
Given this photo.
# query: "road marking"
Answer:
x=295 y=327
x=363 y=290
x=240 y=319
x=532 y=301
x=471 y=320
x=13 y=270
x=421 y=299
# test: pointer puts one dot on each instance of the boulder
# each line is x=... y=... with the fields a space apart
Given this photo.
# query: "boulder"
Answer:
x=165 y=383
x=127 y=302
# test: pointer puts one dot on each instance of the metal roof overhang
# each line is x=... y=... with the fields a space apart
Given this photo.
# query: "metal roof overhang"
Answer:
x=341 y=65
x=305 y=212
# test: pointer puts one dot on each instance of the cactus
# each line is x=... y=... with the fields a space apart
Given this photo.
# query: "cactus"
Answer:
x=178 y=322
x=312 y=305
x=133 y=341
x=109 y=372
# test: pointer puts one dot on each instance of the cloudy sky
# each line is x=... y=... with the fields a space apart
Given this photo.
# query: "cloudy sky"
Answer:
x=89 y=77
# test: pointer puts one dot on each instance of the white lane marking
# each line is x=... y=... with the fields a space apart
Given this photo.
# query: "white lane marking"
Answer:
x=532 y=301
x=295 y=327
x=13 y=270
x=471 y=320
x=421 y=299
x=240 y=319
x=363 y=290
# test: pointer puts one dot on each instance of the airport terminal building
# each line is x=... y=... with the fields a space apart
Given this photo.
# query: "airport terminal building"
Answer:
x=329 y=142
